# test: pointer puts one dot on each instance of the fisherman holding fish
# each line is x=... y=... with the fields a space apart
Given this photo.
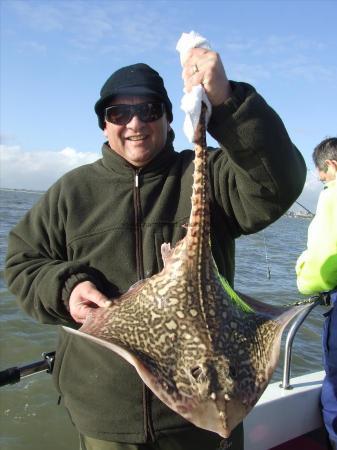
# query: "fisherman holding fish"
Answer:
x=316 y=270
x=99 y=229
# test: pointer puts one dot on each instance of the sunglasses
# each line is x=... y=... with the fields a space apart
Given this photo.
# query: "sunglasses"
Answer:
x=146 y=112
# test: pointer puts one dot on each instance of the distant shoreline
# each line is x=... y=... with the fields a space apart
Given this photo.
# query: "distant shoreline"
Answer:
x=301 y=215
x=290 y=213
x=27 y=191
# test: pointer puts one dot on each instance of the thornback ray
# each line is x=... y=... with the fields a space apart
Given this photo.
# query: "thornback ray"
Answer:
x=205 y=351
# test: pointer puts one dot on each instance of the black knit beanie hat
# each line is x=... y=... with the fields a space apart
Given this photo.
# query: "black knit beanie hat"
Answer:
x=137 y=79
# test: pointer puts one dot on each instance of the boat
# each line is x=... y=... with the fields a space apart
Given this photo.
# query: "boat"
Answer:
x=287 y=419
x=287 y=416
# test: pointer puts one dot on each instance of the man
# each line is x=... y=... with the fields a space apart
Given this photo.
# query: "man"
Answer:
x=99 y=229
x=316 y=270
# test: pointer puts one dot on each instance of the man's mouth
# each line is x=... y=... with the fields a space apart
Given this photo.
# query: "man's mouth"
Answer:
x=138 y=137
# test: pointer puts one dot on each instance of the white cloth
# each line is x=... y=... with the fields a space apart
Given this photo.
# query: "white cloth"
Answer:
x=191 y=101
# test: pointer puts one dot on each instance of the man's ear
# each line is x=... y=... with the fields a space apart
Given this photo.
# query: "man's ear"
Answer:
x=334 y=163
x=105 y=131
x=331 y=163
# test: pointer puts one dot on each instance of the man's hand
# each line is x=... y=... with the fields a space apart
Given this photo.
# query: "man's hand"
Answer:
x=83 y=298
x=204 y=67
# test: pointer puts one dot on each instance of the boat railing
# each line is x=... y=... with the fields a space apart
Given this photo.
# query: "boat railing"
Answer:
x=320 y=299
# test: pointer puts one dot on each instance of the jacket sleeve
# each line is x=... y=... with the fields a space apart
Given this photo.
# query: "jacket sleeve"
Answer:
x=316 y=268
x=259 y=172
x=37 y=268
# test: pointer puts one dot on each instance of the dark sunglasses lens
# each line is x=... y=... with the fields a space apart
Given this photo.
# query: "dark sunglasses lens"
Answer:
x=119 y=114
x=149 y=112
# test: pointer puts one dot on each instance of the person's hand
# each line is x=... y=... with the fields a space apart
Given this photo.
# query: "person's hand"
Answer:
x=84 y=297
x=204 y=67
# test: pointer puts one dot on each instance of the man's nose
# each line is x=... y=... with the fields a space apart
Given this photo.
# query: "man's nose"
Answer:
x=135 y=122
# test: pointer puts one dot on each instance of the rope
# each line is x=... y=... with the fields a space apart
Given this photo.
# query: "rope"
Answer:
x=323 y=299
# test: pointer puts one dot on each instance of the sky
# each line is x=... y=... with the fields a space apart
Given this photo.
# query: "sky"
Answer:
x=56 y=55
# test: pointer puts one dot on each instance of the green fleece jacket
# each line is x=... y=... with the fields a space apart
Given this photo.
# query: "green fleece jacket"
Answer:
x=97 y=224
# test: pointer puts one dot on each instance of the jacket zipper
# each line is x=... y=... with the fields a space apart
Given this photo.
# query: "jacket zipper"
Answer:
x=148 y=427
x=138 y=228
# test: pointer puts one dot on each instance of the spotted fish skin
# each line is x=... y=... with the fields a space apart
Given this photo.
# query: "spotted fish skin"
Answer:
x=203 y=353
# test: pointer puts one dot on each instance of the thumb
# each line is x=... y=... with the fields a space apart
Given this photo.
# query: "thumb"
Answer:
x=98 y=298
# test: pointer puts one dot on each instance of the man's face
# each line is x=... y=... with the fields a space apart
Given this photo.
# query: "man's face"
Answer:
x=329 y=173
x=138 y=142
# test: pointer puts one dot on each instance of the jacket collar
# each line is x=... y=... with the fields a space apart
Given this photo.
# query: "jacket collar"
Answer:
x=113 y=161
x=331 y=184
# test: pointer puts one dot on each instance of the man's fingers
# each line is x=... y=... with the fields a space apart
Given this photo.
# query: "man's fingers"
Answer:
x=205 y=67
x=95 y=296
x=101 y=301
x=84 y=298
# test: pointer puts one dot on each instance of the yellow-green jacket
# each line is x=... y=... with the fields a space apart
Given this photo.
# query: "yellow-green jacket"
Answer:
x=316 y=268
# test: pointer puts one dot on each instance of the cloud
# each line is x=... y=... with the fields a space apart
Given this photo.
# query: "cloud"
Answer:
x=106 y=27
x=271 y=44
x=284 y=56
x=114 y=29
x=21 y=169
x=304 y=67
x=7 y=139
x=32 y=47
x=251 y=73
x=42 y=17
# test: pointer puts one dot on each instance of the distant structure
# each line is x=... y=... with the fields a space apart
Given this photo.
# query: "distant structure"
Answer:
x=304 y=213
x=299 y=214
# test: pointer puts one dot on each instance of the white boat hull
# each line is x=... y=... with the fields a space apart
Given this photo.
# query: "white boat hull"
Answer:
x=284 y=414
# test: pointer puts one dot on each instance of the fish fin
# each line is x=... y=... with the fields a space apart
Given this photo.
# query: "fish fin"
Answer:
x=103 y=343
x=245 y=307
x=289 y=314
x=137 y=284
x=248 y=304
x=273 y=311
x=148 y=378
x=166 y=252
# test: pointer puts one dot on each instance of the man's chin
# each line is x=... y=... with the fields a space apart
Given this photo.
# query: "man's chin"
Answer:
x=141 y=157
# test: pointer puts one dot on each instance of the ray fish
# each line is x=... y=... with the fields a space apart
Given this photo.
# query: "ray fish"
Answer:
x=205 y=351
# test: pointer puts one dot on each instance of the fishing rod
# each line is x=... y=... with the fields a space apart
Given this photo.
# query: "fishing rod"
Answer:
x=302 y=206
x=15 y=374
x=266 y=256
